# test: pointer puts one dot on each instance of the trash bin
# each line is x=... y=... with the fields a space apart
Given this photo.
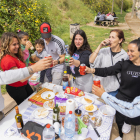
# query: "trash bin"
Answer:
x=73 y=28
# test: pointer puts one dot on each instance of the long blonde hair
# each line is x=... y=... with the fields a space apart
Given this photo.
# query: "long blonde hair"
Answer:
x=6 y=40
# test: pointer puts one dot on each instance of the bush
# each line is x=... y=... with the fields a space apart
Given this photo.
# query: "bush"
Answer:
x=26 y=15
x=99 y=5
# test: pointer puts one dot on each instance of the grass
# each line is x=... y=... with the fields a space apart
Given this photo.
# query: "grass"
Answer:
x=3 y=89
x=95 y=35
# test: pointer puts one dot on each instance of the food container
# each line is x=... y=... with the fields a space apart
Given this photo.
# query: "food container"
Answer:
x=107 y=110
x=78 y=112
x=86 y=119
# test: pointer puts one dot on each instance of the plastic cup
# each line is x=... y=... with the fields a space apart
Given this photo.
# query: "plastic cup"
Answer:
x=84 y=132
x=31 y=47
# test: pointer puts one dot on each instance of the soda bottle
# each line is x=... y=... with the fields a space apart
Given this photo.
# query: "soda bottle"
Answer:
x=69 y=126
x=56 y=114
x=48 y=133
x=96 y=82
x=67 y=59
x=65 y=80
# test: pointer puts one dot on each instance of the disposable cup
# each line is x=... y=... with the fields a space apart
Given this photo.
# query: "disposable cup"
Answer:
x=84 y=132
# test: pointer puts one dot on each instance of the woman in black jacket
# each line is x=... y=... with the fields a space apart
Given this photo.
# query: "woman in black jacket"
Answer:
x=80 y=52
x=130 y=80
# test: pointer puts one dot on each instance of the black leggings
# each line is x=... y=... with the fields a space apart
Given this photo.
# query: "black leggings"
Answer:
x=120 y=119
x=19 y=94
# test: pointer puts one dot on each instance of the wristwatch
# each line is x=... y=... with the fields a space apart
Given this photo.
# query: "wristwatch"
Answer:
x=58 y=62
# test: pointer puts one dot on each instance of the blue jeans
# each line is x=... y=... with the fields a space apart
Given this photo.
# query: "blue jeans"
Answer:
x=113 y=93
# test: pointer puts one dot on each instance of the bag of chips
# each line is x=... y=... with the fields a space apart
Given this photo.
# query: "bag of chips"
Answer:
x=74 y=91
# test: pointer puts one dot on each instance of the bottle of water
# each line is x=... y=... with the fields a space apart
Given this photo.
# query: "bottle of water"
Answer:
x=48 y=133
x=69 y=126
x=67 y=48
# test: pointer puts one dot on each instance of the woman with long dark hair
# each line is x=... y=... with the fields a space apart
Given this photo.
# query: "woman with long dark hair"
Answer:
x=80 y=52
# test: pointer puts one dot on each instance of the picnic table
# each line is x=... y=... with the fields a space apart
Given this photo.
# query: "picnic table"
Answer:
x=26 y=110
x=106 y=22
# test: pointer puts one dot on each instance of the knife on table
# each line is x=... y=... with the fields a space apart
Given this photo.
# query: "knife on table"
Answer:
x=92 y=124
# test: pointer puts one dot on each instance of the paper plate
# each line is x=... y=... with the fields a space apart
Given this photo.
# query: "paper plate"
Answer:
x=94 y=109
x=47 y=95
x=107 y=110
x=86 y=100
x=40 y=113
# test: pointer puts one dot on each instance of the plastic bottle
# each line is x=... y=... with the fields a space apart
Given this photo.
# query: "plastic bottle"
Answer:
x=48 y=133
x=67 y=59
x=65 y=80
x=69 y=126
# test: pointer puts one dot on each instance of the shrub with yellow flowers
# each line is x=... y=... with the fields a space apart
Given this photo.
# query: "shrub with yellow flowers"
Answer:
x=26 y=15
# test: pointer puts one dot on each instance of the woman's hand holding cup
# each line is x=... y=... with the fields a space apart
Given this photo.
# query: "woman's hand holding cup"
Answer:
x=42 y=64
x=71 y=61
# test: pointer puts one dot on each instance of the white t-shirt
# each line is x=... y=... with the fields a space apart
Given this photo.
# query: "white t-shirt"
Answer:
x=55 y=48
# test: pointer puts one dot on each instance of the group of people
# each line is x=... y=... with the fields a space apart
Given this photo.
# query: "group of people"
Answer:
x=103 y=16
x=117 y=70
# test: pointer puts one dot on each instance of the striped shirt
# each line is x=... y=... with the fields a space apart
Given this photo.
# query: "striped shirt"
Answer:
x=55 y=48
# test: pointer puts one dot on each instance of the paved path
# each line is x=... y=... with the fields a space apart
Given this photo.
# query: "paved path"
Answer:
x=134 y=24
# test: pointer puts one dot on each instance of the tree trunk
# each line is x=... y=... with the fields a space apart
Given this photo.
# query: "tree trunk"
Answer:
x=133 y=8
x=112 y=5
x=122 y=7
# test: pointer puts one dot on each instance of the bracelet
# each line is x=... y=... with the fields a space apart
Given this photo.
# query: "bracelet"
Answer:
x=95 y=52
x=30 y=70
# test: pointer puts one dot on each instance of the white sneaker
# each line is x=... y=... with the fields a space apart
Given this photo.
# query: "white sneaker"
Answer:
x=118 y=138
x=126 y=128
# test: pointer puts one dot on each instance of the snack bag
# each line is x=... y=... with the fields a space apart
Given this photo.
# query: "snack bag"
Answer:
x=74 y=91
x=61 y=104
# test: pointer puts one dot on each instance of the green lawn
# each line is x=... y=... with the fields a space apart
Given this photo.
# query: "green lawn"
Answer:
x=95 y=35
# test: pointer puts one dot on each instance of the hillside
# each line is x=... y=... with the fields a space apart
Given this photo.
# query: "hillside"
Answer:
x=62 y=13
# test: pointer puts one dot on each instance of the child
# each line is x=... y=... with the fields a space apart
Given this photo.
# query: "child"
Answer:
x=39 y=54
x=25 y=45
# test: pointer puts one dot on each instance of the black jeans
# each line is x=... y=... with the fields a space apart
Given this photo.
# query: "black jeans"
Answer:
x=48 y=75
x=120 y=119
x=19 y=94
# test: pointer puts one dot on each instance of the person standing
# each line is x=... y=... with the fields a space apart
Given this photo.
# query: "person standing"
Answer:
x=11 y=76
x=109 y=56
x=54 y=46
x=12 y=58
x=80 y=51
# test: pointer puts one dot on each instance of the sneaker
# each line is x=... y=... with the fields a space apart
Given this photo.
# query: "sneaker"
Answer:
x=1 y=115
x=126 y=128
x=118 y=138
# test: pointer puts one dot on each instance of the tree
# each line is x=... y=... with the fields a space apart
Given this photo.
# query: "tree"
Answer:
x=122 y=7
x=112 y=5
x=133 y=8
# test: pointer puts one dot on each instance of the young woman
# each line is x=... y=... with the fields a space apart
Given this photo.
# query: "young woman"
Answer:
x=11 y=58
x=80 y=52
x=105 y=57
x=129 y=87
